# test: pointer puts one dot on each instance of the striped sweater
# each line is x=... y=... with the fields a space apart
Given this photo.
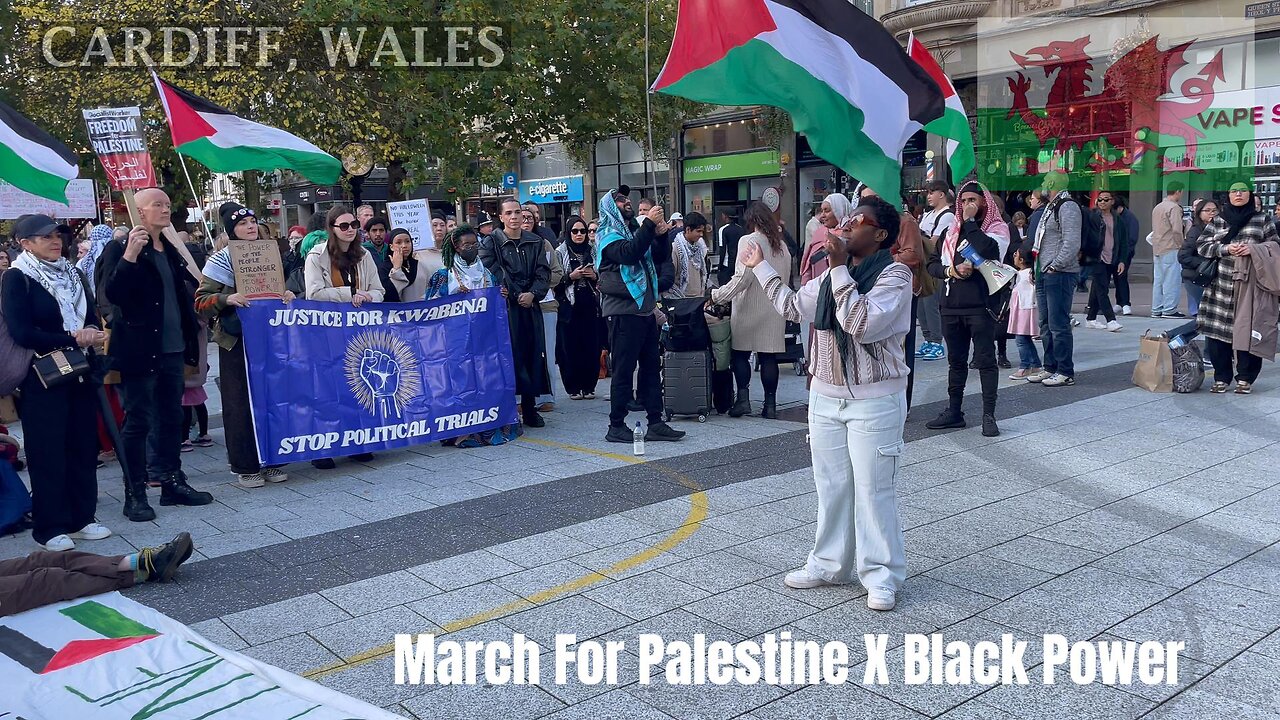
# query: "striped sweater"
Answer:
x=877 y=324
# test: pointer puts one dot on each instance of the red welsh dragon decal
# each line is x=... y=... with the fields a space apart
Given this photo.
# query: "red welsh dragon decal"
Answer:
x=1128 y=103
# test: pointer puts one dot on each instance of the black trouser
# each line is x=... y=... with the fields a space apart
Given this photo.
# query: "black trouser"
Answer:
x=961 y=331
x=62 y=455
x=740 y=363
x=153 y=405
x=237 y=416
x=1099 y=300
x=1122 y=285
x=909 y=349
x=1247 y=366
x=195 y=414
x=578 y=345
x=633 y=341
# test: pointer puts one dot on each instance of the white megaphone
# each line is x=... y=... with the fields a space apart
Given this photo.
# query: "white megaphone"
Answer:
x=997 y=274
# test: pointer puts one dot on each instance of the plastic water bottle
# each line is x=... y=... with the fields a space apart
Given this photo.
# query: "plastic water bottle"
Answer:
x=637 y=442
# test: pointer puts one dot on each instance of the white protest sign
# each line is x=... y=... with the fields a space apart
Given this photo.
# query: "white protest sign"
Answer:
x=414 y=216
x=81 y=203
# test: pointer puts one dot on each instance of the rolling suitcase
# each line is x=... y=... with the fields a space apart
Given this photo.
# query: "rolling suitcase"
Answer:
x=686 y=384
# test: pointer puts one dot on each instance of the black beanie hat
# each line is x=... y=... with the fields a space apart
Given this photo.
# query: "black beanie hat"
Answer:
x=231 y=214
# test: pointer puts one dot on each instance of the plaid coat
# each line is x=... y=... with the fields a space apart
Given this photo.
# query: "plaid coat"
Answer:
x=1216 y=317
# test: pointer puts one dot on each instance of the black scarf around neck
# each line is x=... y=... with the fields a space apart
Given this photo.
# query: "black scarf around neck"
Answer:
x=1236 y=218
x=865 y=275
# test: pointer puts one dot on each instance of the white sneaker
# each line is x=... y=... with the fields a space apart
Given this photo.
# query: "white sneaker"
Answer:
x=59 y=543
x=1126 y=310
x=1058 y=380
x=1095 y=324
x=1075 y=322
x=802 y=580
x=274 y=475
x=92 y=531
x=1114 y=326
x=250 y=480
x=881 y=599
x=1040 y=376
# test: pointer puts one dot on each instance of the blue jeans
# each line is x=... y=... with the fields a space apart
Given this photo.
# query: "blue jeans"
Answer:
x=1194 y=293
x=1053 y=298
x=1027 y=355
x=1164 y=285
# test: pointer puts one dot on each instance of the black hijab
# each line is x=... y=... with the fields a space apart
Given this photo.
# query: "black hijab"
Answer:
x=1236 y=217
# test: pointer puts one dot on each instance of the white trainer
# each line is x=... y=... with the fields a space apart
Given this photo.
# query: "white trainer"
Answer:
x=802 y=580
x=250 y=480
x=274 y=475
x=1095 y=324
x=881 y=599
x=92 y=531
x=1058 y=380
x=1126 y=310
x=1114 y=326
x=1040 y=376
x=59 y=543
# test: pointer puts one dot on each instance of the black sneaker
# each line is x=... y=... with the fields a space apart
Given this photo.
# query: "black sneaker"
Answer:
x=324 y=464
x=989 y=427
x=174 y=490
x=1003 y=362
x=161 y=563
x=619 y=434
x=534 y=420
x=1174 y=314
x=362 y=457
x=946 y=420
x=662 y=432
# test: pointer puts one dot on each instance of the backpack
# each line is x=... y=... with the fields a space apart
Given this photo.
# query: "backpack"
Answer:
x=15 y=361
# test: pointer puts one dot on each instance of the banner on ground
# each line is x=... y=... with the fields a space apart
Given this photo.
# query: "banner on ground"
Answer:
x=110 y=658
x=329 y=379
x=81 y=202
x=116 y=136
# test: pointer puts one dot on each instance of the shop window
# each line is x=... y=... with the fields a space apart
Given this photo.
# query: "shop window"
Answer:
x=607 y=151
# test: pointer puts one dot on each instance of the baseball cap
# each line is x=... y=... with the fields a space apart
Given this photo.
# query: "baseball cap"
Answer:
x=29 y=226
x=623 y=190
x=675 y=216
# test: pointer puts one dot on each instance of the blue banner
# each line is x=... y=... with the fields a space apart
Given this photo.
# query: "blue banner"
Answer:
x=329 y=379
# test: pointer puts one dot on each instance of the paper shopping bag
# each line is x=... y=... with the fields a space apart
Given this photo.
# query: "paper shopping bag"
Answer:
x=1154 y=371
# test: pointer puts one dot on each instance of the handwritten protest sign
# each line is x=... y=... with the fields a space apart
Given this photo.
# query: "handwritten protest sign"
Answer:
x=414 y=216
x=259 y=271
x=15 y=203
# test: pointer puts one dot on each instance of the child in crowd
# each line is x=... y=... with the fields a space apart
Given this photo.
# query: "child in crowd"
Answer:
x=1023 y=321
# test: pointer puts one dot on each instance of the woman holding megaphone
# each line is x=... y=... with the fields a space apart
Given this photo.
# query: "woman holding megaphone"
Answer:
x=967 y=303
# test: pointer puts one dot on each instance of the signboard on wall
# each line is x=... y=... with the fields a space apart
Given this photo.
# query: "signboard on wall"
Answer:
x=727 y=167
x=552 y=190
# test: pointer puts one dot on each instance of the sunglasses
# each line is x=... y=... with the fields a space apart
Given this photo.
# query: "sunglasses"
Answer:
x=855 y=220
x=347 y=226
x=578 y=231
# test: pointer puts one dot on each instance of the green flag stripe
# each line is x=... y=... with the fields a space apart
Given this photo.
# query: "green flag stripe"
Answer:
x=106 y=621
x=320 y=168
x=21 y=174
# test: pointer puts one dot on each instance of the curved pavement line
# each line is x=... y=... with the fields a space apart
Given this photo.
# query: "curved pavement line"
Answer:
x=692 y=521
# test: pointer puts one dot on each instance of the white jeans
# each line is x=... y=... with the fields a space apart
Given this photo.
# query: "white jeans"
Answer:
x=1166 y=281
x=856 y=447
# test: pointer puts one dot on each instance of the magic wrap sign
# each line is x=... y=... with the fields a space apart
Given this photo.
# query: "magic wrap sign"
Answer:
x=330 y=379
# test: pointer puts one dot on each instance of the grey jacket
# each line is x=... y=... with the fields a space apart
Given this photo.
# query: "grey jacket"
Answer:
x=1060 y=242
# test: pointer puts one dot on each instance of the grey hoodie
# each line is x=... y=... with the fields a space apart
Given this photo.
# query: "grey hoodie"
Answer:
x=1060 y=236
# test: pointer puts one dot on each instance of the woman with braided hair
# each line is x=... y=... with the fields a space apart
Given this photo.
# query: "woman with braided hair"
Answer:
x=462 y=271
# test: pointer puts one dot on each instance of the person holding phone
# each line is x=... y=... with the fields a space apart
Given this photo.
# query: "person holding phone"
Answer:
x=578 y=340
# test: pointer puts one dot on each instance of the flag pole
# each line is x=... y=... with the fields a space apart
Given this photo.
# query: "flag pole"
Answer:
x=650 y=167
x=204 y=221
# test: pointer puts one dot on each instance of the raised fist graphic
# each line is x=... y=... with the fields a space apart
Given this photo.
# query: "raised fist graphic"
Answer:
x=381 y=374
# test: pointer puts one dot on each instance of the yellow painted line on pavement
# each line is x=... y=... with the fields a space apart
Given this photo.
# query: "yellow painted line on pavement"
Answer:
x=692 y=521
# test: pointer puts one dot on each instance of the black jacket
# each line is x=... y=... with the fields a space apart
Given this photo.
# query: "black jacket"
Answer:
x=968 y=296
x=35 y=322
x=1190 y=260
x=1123 y=248
x=615 y=297
x=520 y=265
x=733 y=232
x=134 y=292
x=547 y=234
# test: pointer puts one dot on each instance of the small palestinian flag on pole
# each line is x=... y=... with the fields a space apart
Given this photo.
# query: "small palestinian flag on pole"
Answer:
x=846 y=82
x=226 y=143
x=954 y=124
x=32 y=159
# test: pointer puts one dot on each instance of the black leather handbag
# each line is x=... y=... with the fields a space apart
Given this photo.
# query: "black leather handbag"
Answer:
x=61 y=367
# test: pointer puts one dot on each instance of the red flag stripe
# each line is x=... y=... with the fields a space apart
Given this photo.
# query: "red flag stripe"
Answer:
x=924 y=59
x=185 y=124
x=706 y=30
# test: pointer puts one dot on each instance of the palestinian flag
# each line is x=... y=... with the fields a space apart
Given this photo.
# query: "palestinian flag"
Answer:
x=32 y=159
x=847 y=84
x=226 y=143
x=954 y=124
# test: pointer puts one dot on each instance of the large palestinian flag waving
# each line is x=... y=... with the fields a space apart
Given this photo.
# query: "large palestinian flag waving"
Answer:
x=954 y=124
x=226 y=143
x=32 y=159
x=846 y=82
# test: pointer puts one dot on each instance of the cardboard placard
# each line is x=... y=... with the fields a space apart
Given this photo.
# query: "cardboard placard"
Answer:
x=259 y=271
x=117 y=138
x=81 y=202
x=414 y=216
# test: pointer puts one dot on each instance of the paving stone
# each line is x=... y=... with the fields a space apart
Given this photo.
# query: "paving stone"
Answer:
x=846 y=702
x=928 y=602
x=281 y=619
x=1248 y=678
x=710 y=702
x=1189 y=673
x=373 y=630
x=626 y=559
x=240 y=540
x=576 y=614
x=615 y=704
x=218 y=633
x=537 y=581
x=467 y=569
x=373 y=682
x=296 y=654
x=646 y=595
x=1259 y=572
x=457 y=605
x=1047 y=555
x=718 y=571
x=1233 y=604
x=1066 y=701
x=1145 y=563
x=1269 y=646
x=1199 y=704
x=607 y=531
x=1207 y=638
x=541 y=549
x=989 y=576
x=750 y=609
x=1041 y=612
x=377 y=593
